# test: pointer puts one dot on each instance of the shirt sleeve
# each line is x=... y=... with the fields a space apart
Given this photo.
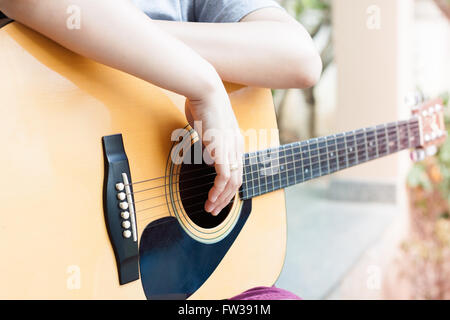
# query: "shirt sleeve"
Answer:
x=228 y=10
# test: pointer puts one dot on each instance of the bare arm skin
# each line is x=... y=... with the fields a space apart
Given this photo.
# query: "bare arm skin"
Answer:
x=268 y=48
x=120 y=36
x=136 y=45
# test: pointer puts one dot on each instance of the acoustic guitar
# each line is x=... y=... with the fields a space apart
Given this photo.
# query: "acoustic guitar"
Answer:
x=94 y=206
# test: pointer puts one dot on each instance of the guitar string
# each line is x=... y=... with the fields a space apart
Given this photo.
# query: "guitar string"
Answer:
x=328 y=153
x=177 y=201
x=337 y=158
x=143 y=219
x=411 y=124
x=400 y=148
x=162 y=204
x=195 y=213
x=249 y=173
x=272 y=183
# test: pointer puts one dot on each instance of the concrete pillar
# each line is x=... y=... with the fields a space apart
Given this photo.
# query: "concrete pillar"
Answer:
x=372 y=50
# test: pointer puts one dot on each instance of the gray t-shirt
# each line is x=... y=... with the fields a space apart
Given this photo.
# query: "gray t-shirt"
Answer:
x=202 y=10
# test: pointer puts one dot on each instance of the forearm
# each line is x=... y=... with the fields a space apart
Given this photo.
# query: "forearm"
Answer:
x=120 y=36
x=258 y=53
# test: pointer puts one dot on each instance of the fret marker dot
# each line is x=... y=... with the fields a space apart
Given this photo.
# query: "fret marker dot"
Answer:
x=306 y=170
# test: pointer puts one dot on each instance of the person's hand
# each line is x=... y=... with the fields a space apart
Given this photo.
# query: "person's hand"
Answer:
x=223 y=143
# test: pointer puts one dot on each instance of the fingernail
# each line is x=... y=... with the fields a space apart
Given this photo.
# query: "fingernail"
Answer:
x=208 y=206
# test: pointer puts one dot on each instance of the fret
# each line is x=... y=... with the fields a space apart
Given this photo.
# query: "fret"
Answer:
x=298 y=162
x=337 y=151
x=386 y=132
x=315 y=161
x=272 y=172
x=255 y=174
x=409 y=134
x=264 y=165
x=248 y=176
x=403 y=135
x=341 y=151
x=382 y=140
x=290 y=165
x=276 y=178
x=269 y=178
x=306 y=162
x=351 y=148
x=276 y=168
x=323 y=156
x=284 y=181
x=328 y=155
x=392 y=137
x=377 y=153
x=415 y=139
x=244 y=187
x=332 y=154
x=361 y=145
x=398 y=136
x=345 y=151
x=371 y=143
x=287 y=165
x=356 y=147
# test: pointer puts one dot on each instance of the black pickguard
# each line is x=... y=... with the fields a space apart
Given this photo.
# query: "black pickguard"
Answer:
x=173 y=265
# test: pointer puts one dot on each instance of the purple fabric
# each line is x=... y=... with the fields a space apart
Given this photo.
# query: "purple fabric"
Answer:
x=266 y=293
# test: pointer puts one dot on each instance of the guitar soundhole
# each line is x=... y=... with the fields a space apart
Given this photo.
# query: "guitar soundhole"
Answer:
x=195 y=182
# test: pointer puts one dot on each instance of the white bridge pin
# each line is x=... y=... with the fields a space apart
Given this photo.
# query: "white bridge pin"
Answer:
x=126 y=224
x=123 y=205
x=121 y=196
x=126 y=234
x=120 y=187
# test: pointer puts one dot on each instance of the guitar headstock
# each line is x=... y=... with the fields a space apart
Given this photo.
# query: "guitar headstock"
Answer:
x=432 y=127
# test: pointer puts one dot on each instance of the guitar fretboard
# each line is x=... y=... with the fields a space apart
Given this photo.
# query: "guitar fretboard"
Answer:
x=276 y=168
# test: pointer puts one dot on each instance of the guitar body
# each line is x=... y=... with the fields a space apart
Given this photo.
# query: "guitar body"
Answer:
x=55 y=109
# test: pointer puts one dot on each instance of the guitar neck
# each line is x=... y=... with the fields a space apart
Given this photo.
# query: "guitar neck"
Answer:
x=276 y=168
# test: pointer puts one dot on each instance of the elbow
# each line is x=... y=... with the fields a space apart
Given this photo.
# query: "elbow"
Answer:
x=304 y=62
x=307 y=69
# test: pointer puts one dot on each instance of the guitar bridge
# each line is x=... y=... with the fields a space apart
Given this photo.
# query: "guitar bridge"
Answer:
x=119 y=209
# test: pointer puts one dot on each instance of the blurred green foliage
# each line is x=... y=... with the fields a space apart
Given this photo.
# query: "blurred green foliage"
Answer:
x=298 y=7
x=301 y=5
x=419 y=176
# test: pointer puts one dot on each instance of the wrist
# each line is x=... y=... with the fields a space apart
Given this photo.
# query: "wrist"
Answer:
x=208 y=85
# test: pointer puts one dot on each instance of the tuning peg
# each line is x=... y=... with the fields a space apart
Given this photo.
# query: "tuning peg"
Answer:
x=418 y=155
x=414 y=99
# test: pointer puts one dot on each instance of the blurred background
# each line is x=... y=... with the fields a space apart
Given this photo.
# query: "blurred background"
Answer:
x=380 y=230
